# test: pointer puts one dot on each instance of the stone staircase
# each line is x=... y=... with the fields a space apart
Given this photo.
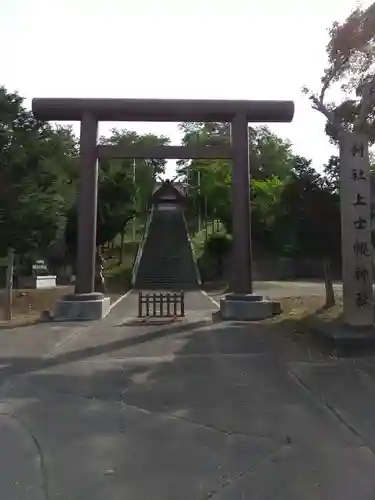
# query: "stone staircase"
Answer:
x=166 y=262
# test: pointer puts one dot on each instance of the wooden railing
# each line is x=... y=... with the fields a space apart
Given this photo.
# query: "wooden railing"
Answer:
x=161 y=305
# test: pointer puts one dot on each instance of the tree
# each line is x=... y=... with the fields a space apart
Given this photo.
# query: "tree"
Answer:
x=351 y=64
x=116 y=207
x=124 y=189
x=146 y=170
x=309 y=216
x=218 y=246
x=210 y=180
x=265 y=213
x=351 y=59
x=33 y=156
x=332 y=173
x=33 y=191
x=311 y=213
x=287 y=214
x=271 y=156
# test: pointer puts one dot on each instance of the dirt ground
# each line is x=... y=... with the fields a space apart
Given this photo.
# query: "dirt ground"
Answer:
x=28 y=305
x=309 y=325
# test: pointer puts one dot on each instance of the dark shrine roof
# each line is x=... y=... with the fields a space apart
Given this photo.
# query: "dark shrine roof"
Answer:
x=170 y=191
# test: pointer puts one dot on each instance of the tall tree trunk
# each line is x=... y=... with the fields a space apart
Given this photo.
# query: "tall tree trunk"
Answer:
x=206 y=218
x=9 y=285
x=122 y=242
x=328 y=284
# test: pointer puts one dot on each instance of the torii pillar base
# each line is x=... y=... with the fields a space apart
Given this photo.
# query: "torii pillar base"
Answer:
x=82 y=307
x=247 y=307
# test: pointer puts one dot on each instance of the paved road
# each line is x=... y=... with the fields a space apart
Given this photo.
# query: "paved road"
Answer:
x=292 y=288
x=276 y=289
x=279 y=289
x=190 y=411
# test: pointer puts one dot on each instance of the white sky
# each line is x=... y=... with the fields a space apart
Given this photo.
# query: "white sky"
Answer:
x=239 y=49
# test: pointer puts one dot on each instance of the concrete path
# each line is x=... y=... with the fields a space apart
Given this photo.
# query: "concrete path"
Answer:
x=188 y=411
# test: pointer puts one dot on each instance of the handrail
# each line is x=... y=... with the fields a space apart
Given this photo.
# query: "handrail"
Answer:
x=197 y=273
x=138 y=256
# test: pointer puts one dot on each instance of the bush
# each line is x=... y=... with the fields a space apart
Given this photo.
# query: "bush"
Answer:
x=218 y=244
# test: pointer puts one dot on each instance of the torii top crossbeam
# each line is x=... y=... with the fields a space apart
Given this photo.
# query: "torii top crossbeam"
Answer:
x=162 y=110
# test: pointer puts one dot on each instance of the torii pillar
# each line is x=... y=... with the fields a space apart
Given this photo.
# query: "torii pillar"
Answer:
x=241 y=304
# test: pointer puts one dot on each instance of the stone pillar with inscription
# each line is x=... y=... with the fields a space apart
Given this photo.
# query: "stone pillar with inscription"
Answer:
x=355 y=201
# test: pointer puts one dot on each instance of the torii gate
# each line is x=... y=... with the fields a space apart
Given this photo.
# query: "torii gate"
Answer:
x=85 y=304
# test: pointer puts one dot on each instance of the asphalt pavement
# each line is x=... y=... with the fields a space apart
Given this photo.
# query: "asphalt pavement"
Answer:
x=188 y=410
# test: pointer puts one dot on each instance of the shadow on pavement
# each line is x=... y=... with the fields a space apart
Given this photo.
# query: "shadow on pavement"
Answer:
x=196 y=413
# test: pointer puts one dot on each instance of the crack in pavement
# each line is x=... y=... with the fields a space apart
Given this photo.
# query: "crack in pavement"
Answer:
x=329 y=408
x=171 y=416
x=230 y=482
x=10 y=381
x=226 y=482
x=42 y=465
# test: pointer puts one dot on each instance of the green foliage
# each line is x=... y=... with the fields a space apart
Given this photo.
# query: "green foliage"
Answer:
x=298 y=216
x=350 y=49
x=295 y=210
x=118 y=274
x=271 y=156
x=119 y=197
x=265 y=210
x=351 y=57
x=39 y=182
x=265 y=197
x=332 y=173
x=115 y=202
x=146 y=170
x=210 y=180
x=218 y=244
x=115 y=207
x=216 y=249
x=310 y=218
x=34 y=182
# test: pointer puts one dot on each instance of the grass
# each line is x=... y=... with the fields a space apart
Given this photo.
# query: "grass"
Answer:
x=303 y=307
x=206 y=262
x=291 y=334
x=199 y=239
x=307 y=312
x=303 y=321
x=118 y=275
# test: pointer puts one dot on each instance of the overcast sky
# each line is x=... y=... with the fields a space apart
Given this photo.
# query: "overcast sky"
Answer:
x=230 y=49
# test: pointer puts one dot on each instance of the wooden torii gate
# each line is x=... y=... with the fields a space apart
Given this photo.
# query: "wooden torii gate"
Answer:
x=90 y=111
